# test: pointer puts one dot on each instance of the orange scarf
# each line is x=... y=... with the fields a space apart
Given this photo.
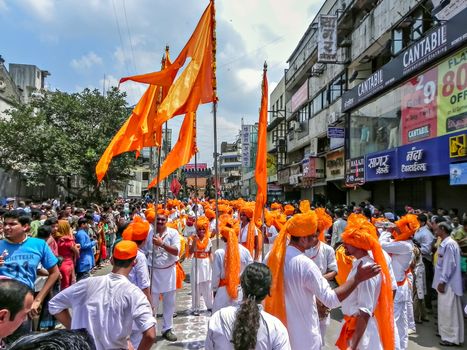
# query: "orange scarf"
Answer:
x=344 y=265
x=347 y=332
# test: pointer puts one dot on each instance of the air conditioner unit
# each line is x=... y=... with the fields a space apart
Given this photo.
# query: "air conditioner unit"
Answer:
x=297 y=127
x=2 y=85
x=332 y=118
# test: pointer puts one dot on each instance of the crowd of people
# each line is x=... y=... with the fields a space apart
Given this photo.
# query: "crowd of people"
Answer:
x=269 y=285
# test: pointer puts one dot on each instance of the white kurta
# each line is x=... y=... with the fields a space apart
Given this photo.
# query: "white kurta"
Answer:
x=222 y=299
x=203 y=267
x=364 y=298
x=272 y=334
x=243 y=234
x=163 y=268
x=303 y=283
x=139 y=274
x=108 y=307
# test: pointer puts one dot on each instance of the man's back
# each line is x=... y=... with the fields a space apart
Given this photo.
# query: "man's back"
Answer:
x=106 y=306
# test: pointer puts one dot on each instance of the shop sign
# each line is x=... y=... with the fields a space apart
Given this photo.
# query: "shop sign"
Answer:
x=457 y=146
x=381 y=166
x=445 y=10
x=458 y=174
x=283 y=176
x=316 y=168
x=300 y=97
x=245 y=146
x=327 y=39
x=306 y=167
x=335 y=165
x=355 y=171
x=430 y=47
x=336 y=137
x=199 y=166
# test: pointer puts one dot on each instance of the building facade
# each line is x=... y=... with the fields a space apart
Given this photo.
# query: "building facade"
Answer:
x=230 y=169
x=374 y=97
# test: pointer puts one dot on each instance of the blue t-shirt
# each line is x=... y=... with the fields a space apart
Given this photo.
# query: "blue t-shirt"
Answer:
x=23 y=258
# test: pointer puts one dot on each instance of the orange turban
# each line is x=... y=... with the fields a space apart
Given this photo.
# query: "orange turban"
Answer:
x=248 y=211
x=360 y=233
x=222 y=208
x=324 y=222
x=407 y=225
x=289 y=210
x=300 y=225
x=276 y=206
x=344 y=265
x=231 y=261
x=150 y=215
x=164 y=212
x=202 y=222
x=125 y=250
x=210 y=214
x=137 y=230
x=305 y=206
x=268 y=218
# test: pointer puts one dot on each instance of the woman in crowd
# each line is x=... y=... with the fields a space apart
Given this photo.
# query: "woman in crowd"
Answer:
x=68 y=251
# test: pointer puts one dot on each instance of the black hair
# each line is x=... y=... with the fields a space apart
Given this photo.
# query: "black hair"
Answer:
x=123 y=263
x=44 y=232
x=367 y=213
x=423 y=218
x=82 y=221
x=256 y=282
x=12 y=295
x=51 y=221
x=464 y=222
x=76 y=339
x=339 y=213
x=36 y=214
x=439 y=219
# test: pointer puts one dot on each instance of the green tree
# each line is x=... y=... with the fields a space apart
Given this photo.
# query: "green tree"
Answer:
x=62 y=135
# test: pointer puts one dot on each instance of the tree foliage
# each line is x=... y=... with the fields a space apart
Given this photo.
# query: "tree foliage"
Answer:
x=61 y=135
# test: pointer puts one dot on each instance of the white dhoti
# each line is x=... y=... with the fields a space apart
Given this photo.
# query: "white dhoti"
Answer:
x=204 y=290
x=164 y=283
x=323 y=325
x=401 y=301
x=410 y=313
x=450 y=318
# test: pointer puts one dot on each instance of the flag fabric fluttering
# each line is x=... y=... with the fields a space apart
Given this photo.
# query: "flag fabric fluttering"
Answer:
x=195 y=85
x=175 y=187
x=261 y=172
x=139 y=130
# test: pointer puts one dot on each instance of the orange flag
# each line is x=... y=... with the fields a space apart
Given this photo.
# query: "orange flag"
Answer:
x=138 y=131
x=261 y=172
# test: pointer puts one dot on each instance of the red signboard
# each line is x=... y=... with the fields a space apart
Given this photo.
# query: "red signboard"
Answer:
x=199 y=166
x=419 y=107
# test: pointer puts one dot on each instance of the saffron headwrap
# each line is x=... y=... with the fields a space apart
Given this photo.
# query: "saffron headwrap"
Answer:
x=407 y=225
x=289 y=209
x=300 y=225
x=231 y=261
x=361 y=233
x=137 y=230
x=324 y=223
x=276 y=206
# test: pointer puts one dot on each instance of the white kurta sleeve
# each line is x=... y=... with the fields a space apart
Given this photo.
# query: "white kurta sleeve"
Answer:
x=209 y=342
x=281 y=340
x=331 y=260
x=366 y=295
x=142 y=312
x=66 y=299
x=319 y=286
x=142 y=273
x=216 y=270
x=449 y=264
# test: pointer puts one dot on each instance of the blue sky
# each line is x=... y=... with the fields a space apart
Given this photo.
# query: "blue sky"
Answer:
x=80 y=41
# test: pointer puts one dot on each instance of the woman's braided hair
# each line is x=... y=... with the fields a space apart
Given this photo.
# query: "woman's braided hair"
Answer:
x=256 y=282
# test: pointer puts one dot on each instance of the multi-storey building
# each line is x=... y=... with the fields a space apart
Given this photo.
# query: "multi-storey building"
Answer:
x=230 y=169
x=374 y=117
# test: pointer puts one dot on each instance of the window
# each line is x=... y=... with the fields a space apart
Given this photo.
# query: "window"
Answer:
x=145 y=176
x=281 y=100
x=337 y=87
x=303 y=114
x=318 y=103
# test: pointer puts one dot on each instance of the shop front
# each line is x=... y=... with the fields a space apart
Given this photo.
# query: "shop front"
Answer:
x=335 y=169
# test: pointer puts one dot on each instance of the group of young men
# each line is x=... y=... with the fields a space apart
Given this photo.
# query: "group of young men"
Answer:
x=376 y=264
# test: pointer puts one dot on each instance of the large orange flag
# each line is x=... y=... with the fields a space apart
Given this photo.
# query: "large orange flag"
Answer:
x=138 y=131
x=261 y=172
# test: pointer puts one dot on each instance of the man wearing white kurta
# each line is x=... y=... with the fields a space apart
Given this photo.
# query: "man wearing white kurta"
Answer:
x=448 y=282
x=325 y=258
x=363 y=300
x=221 y=298
x=108 y=306
x=162 y=251
x=401 y=255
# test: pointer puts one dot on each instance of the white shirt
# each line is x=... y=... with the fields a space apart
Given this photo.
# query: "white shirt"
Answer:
x=426 y=239
x=272 y=234
x=364 y=298
x=323 y=256
x=139 y=274
x=337 y=228
x=401 y=255
x=108 y=307
x=212 y=225
x=203 y=267
x=384 y=236
x=162 y=258
x=448 y=266
x=272 y=334
x=303 y=283
x=218 y=267
x=243 y=234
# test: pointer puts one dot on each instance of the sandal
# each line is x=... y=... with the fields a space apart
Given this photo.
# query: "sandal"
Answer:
x=446 y=343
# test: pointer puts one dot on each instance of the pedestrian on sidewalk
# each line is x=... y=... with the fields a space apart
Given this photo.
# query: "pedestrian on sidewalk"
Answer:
x=85 y=261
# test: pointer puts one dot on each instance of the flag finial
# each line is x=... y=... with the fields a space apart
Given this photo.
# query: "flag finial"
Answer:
x=265 y=67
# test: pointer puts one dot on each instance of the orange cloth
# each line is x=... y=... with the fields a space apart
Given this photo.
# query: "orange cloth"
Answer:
x=324 y=223
x=202 y=222
x=210 y=214
x=179 y=275
x=125 y=250
x=248 y=210
x=344 y=265
x=276 y=206
x=150 y=215
x=361 y=234
x=300 y=225
x=347 y=332
x=289 y=210
x=305 y=206
x=407 y=225
x=137 y=230
x=231 y=261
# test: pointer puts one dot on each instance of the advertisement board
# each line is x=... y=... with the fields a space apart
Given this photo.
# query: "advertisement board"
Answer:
x=327 y=39
x=381 y=166
x=458 y=174
x=299 y=97
x=335 y=165
x=355 y=171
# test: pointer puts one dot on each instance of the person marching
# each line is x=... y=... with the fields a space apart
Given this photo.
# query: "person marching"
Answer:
x=229 y=263
x=201 y=271
x=248 y=326
x=162 y=249
x=368 y=311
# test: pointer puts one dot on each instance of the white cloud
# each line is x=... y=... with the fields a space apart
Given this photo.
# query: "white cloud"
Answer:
x=250 y=79
x=42 y=9
x=3 y=6
x=86 y=61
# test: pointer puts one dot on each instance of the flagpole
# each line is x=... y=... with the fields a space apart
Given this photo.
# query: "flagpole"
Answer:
x=166 y=150
x=265 y=69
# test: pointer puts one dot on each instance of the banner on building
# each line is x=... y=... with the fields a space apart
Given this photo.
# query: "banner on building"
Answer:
x=300 y=97
x=327 y=39
x=335 y=165
x=458 y=174
x=429 y=48
x=355 y=171
x=245 y=137
x=336 y=137
x=198 y=167
x=381 y=166
x=444 y=10
x=458 y=146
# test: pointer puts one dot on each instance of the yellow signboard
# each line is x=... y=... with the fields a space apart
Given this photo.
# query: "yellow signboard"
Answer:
x=457 y=146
